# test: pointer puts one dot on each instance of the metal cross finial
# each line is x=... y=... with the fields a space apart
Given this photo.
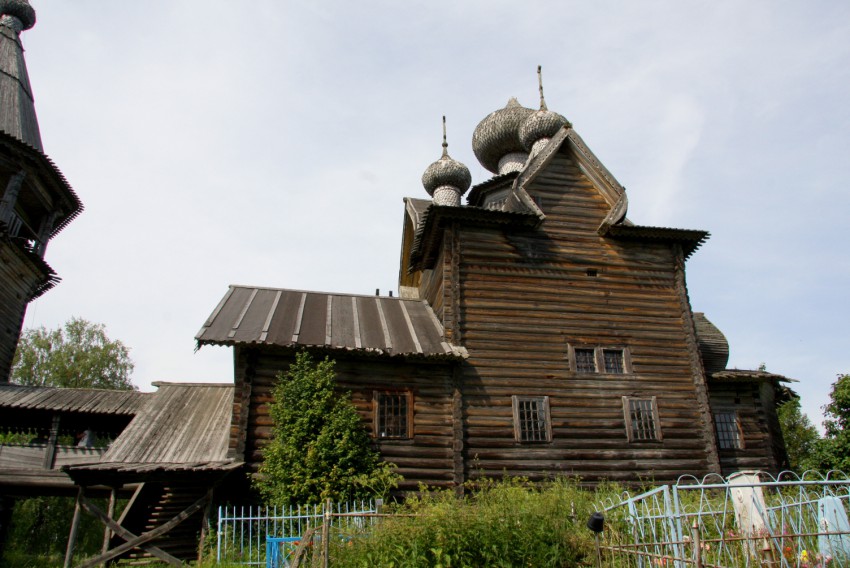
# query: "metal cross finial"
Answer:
x=445 y=144
x=540 y=83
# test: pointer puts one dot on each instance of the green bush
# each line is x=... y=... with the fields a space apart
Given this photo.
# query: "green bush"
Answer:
x=503 y=523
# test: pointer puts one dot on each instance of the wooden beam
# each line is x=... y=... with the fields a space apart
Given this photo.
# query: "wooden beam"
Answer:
x=110 y=512
x=50 y=451
x=72 y=536
x=126 y=535
x=140 y=541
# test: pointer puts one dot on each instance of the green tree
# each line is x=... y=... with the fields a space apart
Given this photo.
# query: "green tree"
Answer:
x=800 y=435
x=319 y=449
x=77 y=355
x=833 y=450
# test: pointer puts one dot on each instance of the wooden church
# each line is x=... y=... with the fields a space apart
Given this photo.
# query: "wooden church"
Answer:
x=537 y=331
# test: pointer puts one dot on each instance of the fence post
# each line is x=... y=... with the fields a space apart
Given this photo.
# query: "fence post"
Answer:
x=695 y=541
x=326 y=531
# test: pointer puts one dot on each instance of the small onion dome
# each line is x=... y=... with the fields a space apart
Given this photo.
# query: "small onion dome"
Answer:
x=542 y=125
x=446 y=179
x=19 y=10
x=498 y=135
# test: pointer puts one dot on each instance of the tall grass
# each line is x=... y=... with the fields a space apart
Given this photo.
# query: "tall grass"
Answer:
x=502 y=523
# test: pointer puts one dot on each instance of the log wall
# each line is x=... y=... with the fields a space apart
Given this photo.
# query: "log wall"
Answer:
x=526 y=295
x=425 y=458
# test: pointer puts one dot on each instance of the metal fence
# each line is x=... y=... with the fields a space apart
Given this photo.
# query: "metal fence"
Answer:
x=242 y=531
x=750 y=519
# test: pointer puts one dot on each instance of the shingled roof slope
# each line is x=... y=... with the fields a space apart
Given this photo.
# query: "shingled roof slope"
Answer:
x=294 y=318
x=94 y=401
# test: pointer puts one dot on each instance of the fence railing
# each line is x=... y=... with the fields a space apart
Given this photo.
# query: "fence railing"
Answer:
x=751 y=519
x=243 y=530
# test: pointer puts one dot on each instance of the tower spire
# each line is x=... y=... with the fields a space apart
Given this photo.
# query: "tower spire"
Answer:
x=540 y=85
x=445 y=144
x=17 y=115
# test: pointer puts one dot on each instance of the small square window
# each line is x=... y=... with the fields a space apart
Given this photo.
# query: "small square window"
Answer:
x=392 y=415
x=531 y=419
x=585 y=361
x=613 y=359
x=728 y=431
x=641 y=419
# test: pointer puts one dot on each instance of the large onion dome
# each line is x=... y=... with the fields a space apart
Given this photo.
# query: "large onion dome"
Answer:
x=496 y=138
x=446 y=179
x=713 y=346
x=19 y=10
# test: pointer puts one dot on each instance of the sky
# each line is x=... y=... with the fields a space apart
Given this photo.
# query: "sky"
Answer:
x=271 y=143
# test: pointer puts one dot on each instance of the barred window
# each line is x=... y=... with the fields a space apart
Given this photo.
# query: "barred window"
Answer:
x=392 y=414
x=613 y=359
x=641 y=419
x=728 y=431
x=585 y=361
x=531 y=419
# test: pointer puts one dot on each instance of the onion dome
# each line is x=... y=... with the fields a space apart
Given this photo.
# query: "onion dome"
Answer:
x=17 y=14
x=535 y=132
x=496 y=138
x=446 y=179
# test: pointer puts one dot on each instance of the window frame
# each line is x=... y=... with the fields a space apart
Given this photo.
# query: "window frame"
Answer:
x=736 y=420
x=599 y=358
x=407 y=395
x=656 y=421
x=543 y=401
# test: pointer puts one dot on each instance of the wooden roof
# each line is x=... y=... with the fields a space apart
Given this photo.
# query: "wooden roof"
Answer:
x=372 y=325
x=91 y=401
x=183 y=423
x=18 y=111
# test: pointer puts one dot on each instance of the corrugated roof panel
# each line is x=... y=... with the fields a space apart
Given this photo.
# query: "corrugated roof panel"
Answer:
x=289 y=318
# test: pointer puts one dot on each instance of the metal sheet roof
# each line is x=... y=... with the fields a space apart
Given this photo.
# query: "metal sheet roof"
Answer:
x=183 y=423
x=92 y=401
x=294 y=318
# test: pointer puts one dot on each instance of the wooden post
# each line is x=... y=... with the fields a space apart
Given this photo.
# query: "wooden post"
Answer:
x=326 y=533
x=110 y=512
x=205 y=526
x=695 y=542
x=50 y=451
x=75 y=525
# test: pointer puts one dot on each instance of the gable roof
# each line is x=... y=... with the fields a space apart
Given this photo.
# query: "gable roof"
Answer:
x=294 y=319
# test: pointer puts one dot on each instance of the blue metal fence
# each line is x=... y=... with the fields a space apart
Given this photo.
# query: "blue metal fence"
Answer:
x=243 y=531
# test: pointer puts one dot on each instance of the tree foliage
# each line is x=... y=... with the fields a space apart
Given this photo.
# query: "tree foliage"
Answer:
x=77 y=355
x=833 y=450
x=800 y=435
x=319 y=449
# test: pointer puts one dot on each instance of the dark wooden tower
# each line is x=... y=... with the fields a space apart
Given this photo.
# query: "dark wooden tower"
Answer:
x=36 y=201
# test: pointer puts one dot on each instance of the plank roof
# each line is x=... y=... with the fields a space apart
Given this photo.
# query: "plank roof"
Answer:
x=18 y=117
x=183 y=424
x=91 y=401
x=374 y=325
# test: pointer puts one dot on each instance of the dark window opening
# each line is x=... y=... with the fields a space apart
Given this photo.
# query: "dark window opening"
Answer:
x=613 y=361
x=392 y=415
x=531 y=419
x=585 y=361
x=592 y=272
x=728 y=431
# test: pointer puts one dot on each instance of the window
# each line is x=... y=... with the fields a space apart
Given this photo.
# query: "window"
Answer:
x=393 y=414
x=641 y=419
x=585 y=361
x=607 y=360
x=531 y=419
x=728 y=430
x=613 y=359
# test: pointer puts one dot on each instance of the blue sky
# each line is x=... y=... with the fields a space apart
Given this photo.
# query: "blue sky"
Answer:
x=271 y=143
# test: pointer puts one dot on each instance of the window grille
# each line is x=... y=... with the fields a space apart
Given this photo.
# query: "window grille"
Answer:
x=728 y=431
x=585 y=361
x=641 y=419
x=531 y=419
x=613 y=361
x=392 y=415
